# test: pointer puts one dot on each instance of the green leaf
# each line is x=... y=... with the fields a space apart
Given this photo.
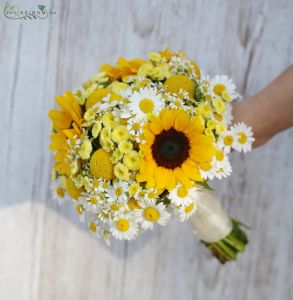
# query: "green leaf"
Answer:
x=204 y=185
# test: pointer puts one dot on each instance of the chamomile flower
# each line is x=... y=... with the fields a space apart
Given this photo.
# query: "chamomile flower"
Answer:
x=207 y=170
x=144 y=102
x=79 y=208
x=224 y=169
x=59 y=193
x=185 y=212
x=152 y=213
x=124 y=227
x=227 y=141
x=243 y=137
x=181 y=196
x=117 y=192
x=223 y=84
x=91 y=204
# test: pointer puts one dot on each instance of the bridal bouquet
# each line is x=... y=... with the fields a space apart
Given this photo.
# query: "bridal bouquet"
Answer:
x=138 y=143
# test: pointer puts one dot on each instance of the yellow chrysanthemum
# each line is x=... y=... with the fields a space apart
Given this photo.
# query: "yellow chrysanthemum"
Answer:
x=175 y=145
x=124 y=68
x=177 y=82
x=131 y=160
x=101 y=165
x=120 y=133
x=121 y=172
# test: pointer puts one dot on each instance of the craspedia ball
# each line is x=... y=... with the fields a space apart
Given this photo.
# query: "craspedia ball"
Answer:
x=101 y=166
x=177 y=82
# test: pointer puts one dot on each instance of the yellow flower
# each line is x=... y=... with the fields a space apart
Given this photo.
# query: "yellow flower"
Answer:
x=175 y=144
x=86 y=149
x=90 y=114
x=117 y=86
x=219 y=105
x=117 y=155
x=177 y=82
x=101 y=166
x=124 y=68
x=125 y=146
x=121 y=172
x=67 y=124
x=220 y=127
x=71 y=112
x=155 y=57
x=108 y=120
x=106 y=144
x=204 y=110
x=226 y=96
x=71 y=189
x=96 y=129
x=133 y=204
x=120 y=133
x=131 y=160
x=145 y=70
x=105 y=133
x=133 y=188
x=96 y=97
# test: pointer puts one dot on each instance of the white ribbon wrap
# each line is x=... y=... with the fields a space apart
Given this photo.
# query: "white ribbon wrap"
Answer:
x=209 y=222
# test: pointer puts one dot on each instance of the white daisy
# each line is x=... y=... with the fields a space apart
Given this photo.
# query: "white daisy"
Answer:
x=185 y=212
x=152 y=213
x=227 y=141
x=59 y=193
x=117 y=191
x=224 y=169
x=146 y=101
x=244 y=137
x=221 y=84
x=208 y=173
x=91 y=204
x=124 y=227
x=180 y=196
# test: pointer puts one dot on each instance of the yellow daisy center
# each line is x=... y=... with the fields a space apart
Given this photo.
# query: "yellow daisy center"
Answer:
x=177 y=82
x=219 y=89
x=182 y=192
x=93 y=201
x=146 y=105
x=60 y=192
x=189 y=208
x=119 y=191
x=219 y=155
x=242 y=137
x=133 y=204
x=114 y=207
x=92 y=227
x=136 y=126
x=151 y=214
x=228 y=140
x=122 y=225
x=79 y=209
x=101 y=166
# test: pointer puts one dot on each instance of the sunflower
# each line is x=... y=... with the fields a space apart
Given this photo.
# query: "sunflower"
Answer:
x=175 y=145
x=66 y=124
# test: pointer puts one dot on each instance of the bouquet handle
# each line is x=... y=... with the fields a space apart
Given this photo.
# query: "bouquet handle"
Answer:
x=223 y=236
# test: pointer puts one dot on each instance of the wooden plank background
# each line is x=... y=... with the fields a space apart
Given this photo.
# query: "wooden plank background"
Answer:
x=44 y=252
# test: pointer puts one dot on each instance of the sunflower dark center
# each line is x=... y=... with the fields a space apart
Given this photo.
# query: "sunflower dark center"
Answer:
x=170 y=148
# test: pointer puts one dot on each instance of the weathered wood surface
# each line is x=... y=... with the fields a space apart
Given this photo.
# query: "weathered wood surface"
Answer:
x=44 y=252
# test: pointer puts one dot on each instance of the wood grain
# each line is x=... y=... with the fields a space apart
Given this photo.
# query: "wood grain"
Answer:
x=44 y=252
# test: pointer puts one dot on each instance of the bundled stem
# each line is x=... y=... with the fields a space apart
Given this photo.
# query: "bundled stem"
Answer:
x=227 y=248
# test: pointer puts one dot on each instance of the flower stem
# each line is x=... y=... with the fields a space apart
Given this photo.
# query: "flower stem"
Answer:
x=227 y=248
